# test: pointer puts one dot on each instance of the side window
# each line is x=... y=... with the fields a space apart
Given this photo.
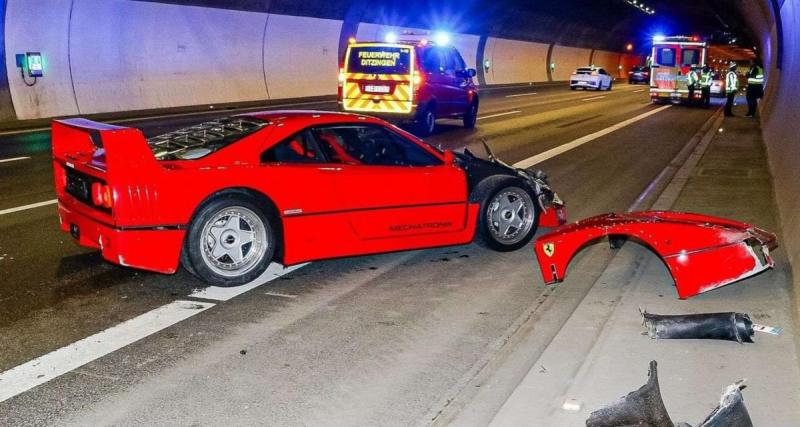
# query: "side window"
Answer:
x=602 y=71
x=459 y=61
x=690 y=57
x=665 y=56
x=298 y=148
x=371 y=145
x=432 y=61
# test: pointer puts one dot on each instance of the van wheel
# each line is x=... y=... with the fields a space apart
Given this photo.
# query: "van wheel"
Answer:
x=426 y=122
x=229 y=243
x=471 y=116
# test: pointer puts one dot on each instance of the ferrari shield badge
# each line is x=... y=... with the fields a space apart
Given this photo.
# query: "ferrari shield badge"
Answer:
x=549 y=249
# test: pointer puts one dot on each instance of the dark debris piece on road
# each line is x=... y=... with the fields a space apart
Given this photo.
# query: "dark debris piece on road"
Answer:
x=645 y=407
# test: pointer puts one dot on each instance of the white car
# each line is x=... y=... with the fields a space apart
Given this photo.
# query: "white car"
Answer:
x=591 y=78
x=717 y=85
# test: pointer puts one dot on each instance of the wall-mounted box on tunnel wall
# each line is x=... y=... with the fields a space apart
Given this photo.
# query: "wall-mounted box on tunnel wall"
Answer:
x=35 y=64
x=31 y=63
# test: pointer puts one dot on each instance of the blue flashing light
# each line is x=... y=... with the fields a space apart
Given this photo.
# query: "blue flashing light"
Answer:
x=390 y=37
x=441 y=38
x=659 y=38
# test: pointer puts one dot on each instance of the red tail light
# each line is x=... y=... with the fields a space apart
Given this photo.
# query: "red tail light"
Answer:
x=102 y=196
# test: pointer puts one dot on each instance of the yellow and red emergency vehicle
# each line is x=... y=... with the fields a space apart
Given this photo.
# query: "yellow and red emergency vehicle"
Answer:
x=415 y=80
x=671 y=60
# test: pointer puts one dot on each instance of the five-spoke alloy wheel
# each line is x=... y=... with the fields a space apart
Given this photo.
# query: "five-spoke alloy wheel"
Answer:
x=229 y=243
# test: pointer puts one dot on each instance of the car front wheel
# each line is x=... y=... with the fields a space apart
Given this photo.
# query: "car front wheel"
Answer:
x=229 y=243
x=508 y=219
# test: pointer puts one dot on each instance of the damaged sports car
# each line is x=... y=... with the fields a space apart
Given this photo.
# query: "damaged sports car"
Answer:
x=701 y=252
x=227 y=197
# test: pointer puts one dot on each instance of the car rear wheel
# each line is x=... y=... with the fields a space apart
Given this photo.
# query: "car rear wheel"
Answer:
x=508 y=219
x=610 y=84
x=426 y=122
x=471 y=116
x=230 y=242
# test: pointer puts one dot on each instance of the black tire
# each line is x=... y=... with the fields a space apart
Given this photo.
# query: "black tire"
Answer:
x=572 y=88
x=425 y=123
x=486 y=234
x=610 y=85
x=207 y=234
x=471 y=116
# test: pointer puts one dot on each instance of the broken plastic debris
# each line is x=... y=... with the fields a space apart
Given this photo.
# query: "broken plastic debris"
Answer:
x=716 y=326
x=643 y=407
x=731 y=411
x=767 y=329
x=572 y=405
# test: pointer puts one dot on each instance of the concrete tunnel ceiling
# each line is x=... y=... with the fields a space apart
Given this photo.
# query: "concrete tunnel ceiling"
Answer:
x=599 y=24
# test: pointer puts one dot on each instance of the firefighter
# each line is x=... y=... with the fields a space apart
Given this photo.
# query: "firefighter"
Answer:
x=755 y=88
x=706 y=78
x=691 y=82
x=731 y=86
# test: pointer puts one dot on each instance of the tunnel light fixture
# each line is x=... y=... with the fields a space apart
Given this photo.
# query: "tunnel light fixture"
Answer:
x=641 y=6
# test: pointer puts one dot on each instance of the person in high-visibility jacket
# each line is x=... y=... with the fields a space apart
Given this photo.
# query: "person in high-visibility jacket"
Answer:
x=755 y=88
x=691 y=83
x=706 y=79
x=731 y=87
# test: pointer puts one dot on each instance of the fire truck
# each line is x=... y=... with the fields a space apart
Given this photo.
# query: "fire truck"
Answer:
x=671 y=60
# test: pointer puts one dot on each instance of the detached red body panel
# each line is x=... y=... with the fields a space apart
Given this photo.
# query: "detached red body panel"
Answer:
x=701 y=252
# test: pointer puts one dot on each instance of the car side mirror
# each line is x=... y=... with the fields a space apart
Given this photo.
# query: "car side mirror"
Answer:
x=472 y=72
x=449 y=157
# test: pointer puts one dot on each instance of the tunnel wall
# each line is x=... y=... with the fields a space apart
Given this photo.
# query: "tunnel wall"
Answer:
x=780 y=111
x=122 y=55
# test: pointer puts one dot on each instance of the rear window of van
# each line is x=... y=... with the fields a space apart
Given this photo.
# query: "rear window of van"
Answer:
x=379 y=59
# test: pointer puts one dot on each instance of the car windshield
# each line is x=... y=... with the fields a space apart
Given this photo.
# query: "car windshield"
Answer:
x=584 y=71
x=379 y=59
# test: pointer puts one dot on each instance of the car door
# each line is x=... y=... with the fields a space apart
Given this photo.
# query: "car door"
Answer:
x=297 y=176
x=435 y=78
x=460 y=82
x=390 y=186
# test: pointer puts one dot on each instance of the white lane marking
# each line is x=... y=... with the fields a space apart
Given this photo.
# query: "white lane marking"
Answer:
x=637 y=91
x=530 y=161
x=594 y=97
x=38 y=371
x=26 y=207
x=13 y=159
x=499 y=114
x=272 y=272
x=276 y=294
x=520 y=94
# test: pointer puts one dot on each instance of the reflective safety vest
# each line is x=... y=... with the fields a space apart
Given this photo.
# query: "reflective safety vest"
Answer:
x=756 y=76
x=691 y=78
x=706 y=79
x=731 y=82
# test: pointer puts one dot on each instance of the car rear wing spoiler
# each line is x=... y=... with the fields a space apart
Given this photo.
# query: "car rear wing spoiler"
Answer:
x=102 y=146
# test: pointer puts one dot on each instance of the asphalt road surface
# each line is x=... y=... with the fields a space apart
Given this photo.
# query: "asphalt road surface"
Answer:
x=376 y=340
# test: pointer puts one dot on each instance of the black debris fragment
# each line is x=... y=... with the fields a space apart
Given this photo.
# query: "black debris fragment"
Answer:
x=643 y=407
x=716 y=326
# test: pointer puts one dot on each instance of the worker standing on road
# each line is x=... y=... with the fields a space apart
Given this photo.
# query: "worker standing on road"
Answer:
x=691 y=82
x=706 y=78
x=731 y=86
x=755 y=88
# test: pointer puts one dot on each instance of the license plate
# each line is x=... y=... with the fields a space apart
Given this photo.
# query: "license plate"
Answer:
x=376 y=89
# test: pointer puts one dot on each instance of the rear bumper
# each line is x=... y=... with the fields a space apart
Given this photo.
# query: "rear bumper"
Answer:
x=155 y=249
